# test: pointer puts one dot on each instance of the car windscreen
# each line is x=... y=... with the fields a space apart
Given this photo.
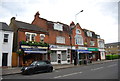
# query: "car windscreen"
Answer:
x=34 y=63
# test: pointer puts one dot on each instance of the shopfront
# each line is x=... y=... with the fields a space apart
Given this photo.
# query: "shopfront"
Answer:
x=33 y=53
x=60 y=54
x=82 y=53
x=102 y=54
x=95 y=54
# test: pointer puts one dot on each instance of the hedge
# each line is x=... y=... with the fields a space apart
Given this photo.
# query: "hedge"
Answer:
x=110 y=57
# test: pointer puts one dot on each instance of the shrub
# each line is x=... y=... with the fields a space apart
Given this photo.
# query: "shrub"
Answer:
x=110 y=57
x=32 y=43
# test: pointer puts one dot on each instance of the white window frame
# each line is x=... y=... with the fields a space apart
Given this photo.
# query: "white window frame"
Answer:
x=89 y=33
x=92 y=43
x=31 y=35
x=101 y=44
x=78 y=40
x=78 y=31
x=58 y=27
x=6 y=38
x=60 y=39
x=42 y=37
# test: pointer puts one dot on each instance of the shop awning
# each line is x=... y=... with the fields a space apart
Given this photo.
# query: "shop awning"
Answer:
x=34 y=49
x=84 y=51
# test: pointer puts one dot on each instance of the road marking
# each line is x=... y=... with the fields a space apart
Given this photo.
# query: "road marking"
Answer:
x=1 y=78
x=67 y=75
x=112 y=65
x=58 y=77
x=96 y=68
x=56 y=71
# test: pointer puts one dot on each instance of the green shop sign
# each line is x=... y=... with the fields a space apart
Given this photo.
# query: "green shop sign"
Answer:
x=93 y=49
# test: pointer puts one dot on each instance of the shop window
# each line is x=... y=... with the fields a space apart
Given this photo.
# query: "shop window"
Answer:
x=60 y=39
x=54 y=56
x=64 y=57
x=5 y=37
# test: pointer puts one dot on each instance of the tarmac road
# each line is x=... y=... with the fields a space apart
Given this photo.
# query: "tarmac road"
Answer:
x=108 y=70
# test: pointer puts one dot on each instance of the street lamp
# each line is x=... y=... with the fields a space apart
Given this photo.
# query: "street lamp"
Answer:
x=77 y=14
x=76 y=59
x=72 y=25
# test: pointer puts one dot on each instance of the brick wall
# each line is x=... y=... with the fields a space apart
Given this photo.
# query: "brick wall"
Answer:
x=51 y=38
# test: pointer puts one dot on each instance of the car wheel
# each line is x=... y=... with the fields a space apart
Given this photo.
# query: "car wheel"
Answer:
x=31 y=72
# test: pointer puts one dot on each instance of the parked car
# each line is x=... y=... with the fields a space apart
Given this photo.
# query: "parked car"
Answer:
x=37 y=66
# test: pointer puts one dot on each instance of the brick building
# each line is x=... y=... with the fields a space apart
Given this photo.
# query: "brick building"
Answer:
x=58 y=39
x=63 y=38
x=112 y=48
x=29 y=43
x=67 y=44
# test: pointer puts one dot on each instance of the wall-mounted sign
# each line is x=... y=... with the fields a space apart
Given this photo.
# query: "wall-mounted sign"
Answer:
x=93 y=49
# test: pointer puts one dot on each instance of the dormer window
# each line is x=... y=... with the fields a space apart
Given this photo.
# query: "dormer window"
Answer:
x=58 y=27
x=89 y=34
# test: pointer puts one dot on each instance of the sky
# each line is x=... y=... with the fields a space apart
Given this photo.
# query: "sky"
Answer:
x=100 y=16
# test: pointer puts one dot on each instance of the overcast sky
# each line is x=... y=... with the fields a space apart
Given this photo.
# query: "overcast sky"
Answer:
x=100 y=16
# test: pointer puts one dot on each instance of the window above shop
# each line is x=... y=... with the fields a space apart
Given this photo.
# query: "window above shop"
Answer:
x=78 y=40
x=58 y=27
x=78 y=31
x=101 y=44
x=92 y=43
x=89 y=34
x=30 y=36
x=60 y=39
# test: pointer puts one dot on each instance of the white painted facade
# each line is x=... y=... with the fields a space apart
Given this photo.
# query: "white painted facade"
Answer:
x=60 y=54
x=6 y=47
x=101 y=47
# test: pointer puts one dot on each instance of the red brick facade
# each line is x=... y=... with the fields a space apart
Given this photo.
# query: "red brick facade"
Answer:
x=48 y=25
x=51 y=35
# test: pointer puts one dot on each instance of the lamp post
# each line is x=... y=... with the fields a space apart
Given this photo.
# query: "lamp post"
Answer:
x=72 y=25
x=77 y=14
x=76 y=59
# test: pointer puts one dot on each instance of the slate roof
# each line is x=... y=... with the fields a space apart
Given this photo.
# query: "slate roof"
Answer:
x=5 y=27
x=114 y=43
x=28 y=26
x=93 y=33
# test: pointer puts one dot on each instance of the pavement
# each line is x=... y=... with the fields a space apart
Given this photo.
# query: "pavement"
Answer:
x=17 y=70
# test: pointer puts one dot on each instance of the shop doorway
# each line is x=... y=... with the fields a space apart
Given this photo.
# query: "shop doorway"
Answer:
x=59 y=57
x=4 y=59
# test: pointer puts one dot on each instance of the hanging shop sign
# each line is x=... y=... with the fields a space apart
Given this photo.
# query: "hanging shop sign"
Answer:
x=93 y=49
